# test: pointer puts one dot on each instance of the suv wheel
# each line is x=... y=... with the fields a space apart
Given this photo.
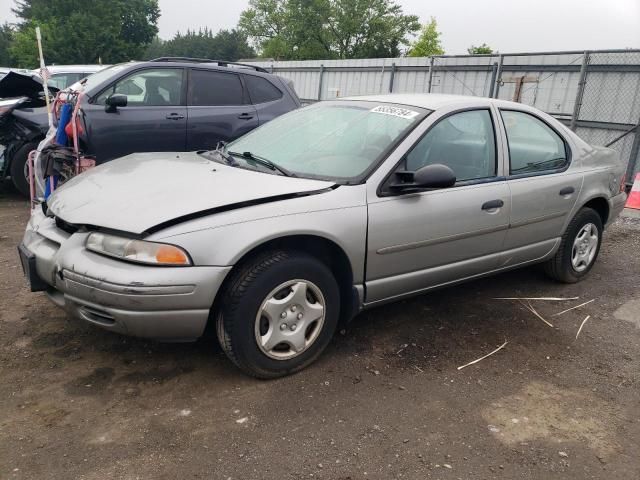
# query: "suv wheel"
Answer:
x=578 y=249
x=278 y=314
x=19 y=170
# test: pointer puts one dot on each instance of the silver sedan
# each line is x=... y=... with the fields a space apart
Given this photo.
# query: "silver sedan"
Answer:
x=278 y=237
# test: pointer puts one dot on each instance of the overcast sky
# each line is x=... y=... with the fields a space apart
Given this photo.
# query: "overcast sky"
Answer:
x=505 y=25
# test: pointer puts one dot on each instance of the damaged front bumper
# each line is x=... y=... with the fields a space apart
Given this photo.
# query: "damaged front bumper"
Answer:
x=164 y=303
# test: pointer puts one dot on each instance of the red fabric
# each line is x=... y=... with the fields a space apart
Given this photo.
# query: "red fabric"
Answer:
x=69 y=128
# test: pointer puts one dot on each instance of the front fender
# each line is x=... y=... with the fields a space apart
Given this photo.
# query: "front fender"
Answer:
x=223 y=239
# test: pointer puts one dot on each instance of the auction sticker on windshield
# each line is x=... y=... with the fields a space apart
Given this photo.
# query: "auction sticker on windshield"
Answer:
x=395 y=111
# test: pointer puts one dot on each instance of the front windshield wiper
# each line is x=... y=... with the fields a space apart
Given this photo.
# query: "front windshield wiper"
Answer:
x=261 y=160
x=228 y=159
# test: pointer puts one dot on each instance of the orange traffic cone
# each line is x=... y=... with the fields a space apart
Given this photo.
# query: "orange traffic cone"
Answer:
x=634 y=196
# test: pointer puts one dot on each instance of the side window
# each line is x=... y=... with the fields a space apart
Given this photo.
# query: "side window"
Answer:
x=150 y=88
x=210 y=88
x=464 y=141
x=261 y=90
x=533 y=145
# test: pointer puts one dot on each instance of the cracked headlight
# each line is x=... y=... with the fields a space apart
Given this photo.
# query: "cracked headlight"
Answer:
x=137 y=251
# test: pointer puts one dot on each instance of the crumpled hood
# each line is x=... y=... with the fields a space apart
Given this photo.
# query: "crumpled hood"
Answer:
x=15 y=84
x=145 y=190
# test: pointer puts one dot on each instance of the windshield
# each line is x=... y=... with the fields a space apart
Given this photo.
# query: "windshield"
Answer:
x=338 y=140
x=97 y=78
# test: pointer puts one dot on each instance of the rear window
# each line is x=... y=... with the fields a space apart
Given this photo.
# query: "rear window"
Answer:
x=261 y=90
x=208 y=88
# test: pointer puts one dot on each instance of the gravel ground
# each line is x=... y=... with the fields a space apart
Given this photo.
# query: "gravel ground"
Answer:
x=385 y=401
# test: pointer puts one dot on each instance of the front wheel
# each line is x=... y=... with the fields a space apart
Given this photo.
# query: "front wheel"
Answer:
x=579 y=248
x=278 y=313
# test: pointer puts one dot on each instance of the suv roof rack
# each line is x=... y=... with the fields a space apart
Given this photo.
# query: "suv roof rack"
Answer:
x=220 y=63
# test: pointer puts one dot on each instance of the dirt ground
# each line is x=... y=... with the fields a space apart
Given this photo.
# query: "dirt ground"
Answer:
x=385 y=401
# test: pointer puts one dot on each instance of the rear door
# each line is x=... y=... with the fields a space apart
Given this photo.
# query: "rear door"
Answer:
x=543 y=192
x=219 y=109
x=154 y=120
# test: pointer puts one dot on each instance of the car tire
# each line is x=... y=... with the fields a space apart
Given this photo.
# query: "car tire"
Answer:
x=579 y=248
x=278 y=313
x=17 y=168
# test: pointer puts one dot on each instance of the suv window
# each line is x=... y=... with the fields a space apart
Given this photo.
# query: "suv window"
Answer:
x=151 y=88
x=210 y=88
x=261 y=90
x=464 y=141
x=533 y=145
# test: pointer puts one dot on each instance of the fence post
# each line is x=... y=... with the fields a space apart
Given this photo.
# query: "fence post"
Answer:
x=271 y=68
x=430 y=74
x=393 y=74
x=320 y=83
x=492 y=83
x=582 y=83
x=498 y=79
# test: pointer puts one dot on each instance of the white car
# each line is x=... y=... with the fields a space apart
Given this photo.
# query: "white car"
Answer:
x=61 y=76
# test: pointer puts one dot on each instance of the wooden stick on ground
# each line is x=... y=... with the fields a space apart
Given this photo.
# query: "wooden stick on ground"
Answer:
x=548 y=299
x=582 y=325
x=487 y=355
x=529 y=307
x=573 y=308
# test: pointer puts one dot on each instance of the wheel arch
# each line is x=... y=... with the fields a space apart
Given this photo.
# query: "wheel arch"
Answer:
x=325 y=250
x=601 y=205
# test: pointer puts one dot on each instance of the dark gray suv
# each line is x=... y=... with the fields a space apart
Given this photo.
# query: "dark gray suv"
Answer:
x=166 y=104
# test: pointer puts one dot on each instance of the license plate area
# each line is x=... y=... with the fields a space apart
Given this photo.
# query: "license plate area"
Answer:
x=28 y=261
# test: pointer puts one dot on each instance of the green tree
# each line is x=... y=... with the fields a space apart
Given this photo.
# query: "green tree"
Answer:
x=6 y=37
x=483 y=49
x=156 y=49
x=428 y=42
x=227 y=45
x=74 y=31
x=317 y=29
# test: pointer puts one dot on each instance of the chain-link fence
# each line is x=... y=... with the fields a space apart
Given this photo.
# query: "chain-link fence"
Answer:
x=609 y=110
x=596 y=93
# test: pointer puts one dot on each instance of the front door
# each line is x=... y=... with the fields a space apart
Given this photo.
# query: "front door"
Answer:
x=154 y=120
x=421 y=240
x=219 y=109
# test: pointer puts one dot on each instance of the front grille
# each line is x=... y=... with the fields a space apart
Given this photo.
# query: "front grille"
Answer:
x=67 y=227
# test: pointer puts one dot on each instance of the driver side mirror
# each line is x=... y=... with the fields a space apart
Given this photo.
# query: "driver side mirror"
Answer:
x=429 y=177
x=114 y=101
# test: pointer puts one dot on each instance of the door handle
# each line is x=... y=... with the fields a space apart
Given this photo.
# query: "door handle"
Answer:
x=492 y=205
x=566 y=191
x=174 y=116
x=245 y=116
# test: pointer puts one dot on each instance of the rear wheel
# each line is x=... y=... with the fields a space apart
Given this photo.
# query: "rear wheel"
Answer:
x=578 y=249
x=278 y=313
x=19 y=170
